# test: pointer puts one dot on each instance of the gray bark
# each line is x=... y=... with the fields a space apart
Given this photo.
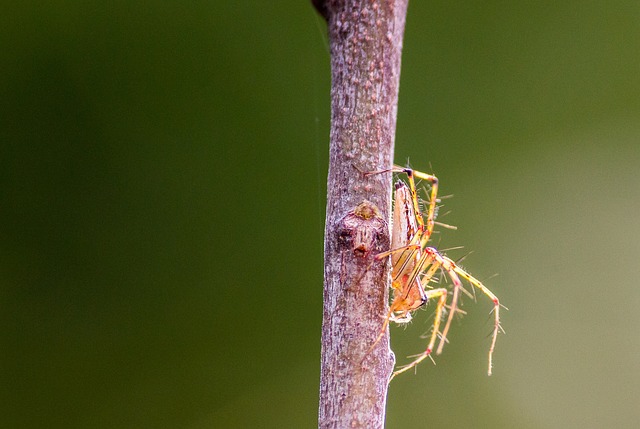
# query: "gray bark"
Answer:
x=366 y=43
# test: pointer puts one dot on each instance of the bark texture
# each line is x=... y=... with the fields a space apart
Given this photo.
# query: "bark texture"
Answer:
x=365 y=37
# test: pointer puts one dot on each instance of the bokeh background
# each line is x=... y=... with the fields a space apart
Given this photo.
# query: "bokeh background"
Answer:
x=162 y=186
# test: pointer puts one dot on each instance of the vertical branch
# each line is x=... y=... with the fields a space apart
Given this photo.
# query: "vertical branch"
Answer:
x=366 y=42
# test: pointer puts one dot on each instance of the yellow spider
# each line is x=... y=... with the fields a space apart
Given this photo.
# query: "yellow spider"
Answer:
x=414 y=263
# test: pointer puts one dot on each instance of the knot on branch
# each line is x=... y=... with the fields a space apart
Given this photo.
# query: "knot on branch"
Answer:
x=364 y=230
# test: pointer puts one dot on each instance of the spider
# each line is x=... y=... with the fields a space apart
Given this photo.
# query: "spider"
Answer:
x=414 y=264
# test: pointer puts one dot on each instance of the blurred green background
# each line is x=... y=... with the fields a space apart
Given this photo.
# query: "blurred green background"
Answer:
x=162 y=183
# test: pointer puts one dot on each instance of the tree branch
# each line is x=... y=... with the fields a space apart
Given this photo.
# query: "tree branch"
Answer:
x=366 y=43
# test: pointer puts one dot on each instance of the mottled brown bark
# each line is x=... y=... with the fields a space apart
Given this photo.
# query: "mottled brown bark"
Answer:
x=366 y=42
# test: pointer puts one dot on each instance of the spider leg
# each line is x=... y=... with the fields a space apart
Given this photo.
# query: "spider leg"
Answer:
x=455 y=272
x=406 y=299
x=441 y=294
x=453 y=307
x=405 y=262
x=496 y=307
x=432 y=259
x=433 y=198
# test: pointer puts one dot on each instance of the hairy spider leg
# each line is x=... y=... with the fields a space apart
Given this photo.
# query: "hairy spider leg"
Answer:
x=433 y=200
x=432 y=258
x=441 y=294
